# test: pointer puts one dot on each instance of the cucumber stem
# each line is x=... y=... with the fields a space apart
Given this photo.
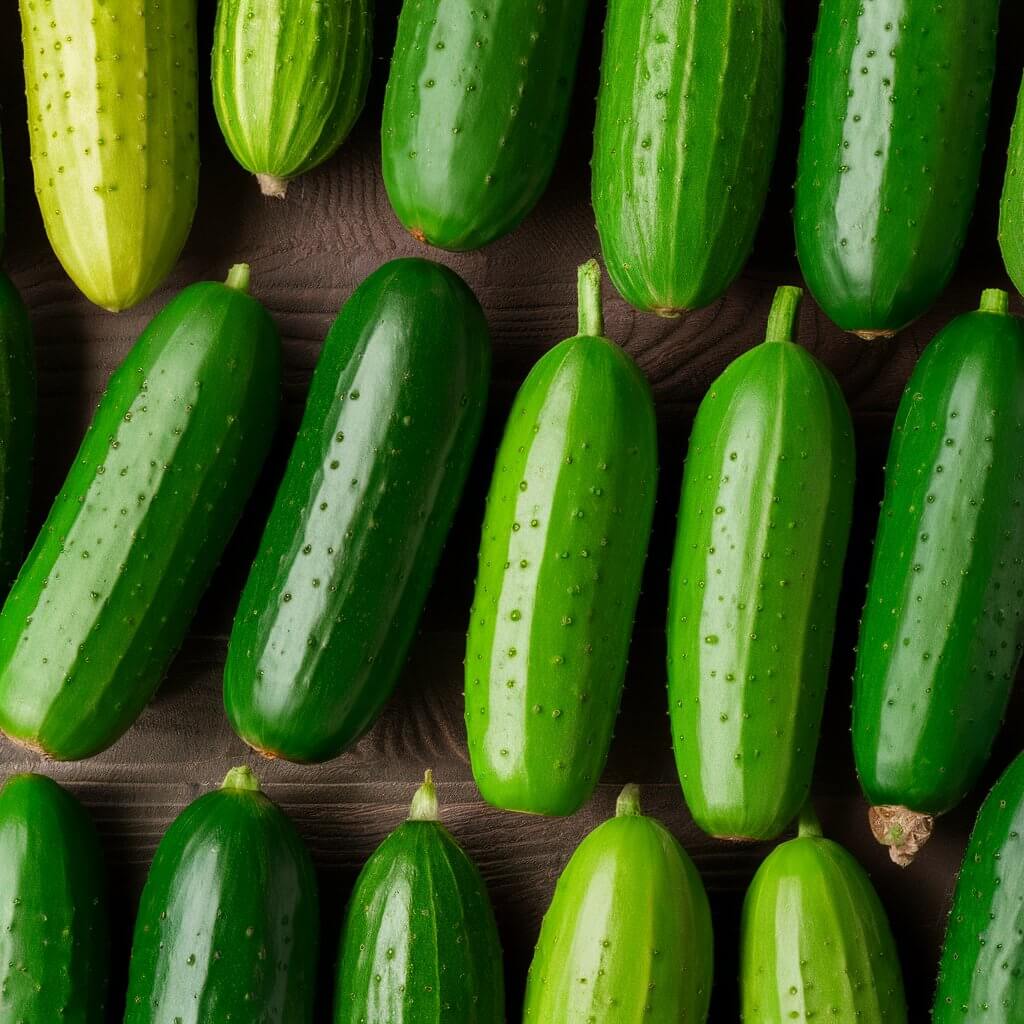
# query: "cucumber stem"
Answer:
x=238 y=277
x=782 y=318
x=994 y=300
x=628 y=804
x=808 y=823
x=243 y=778
x=424 y=802
x=273 y=186
x=588 y=288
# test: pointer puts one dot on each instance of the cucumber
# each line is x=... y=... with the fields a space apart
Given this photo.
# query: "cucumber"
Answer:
x=702 y=120
x=763 y=523
x=628 y=934
x=943 y=628
x=419 y=941
x=815 y=943
x=474 y=112
x=981 y=976
x=109 y=588
x=1011 y=207
x=228 y=921
x=54 y=949
x=561 y=557
x=347 y=557
x=893 y=134
x=112 y=117
x=289 y=81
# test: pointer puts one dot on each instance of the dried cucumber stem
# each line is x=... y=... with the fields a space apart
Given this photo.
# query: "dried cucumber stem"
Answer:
x=875 y=335
x=628 y=803
x=904 y=831
x=273 y=186
x=588 y=288
x=424 y=803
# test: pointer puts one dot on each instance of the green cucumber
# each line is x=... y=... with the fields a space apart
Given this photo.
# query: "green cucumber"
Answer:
x=815 y=941
x=419 y=942
x=159 y=482
x=702 y=120
x=628 y=934
x=347 y=557
x=943 y=628
x=981 y=976
x=112 y=117
x=763 y=523
x=564 y=539
x=289 y=81
x=1011 y=207
x=54 y=954
x=228 y=921
x=474 y=113
x=893 y=134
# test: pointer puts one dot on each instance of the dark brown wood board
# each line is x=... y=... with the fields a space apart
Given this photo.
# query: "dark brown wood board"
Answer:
x=307 y=254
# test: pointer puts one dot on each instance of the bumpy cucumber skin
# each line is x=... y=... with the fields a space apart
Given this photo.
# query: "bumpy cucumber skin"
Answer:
x=289 y=80
x=474 y=113
x=886 y=182
x=107 y=591
x=943 y=627
x=763 y=523
x=17 y=426
x=389 y=431
x=54 y=954
x=420 y=944
x=629 y=928
x=561 y=557
x=697 y=116
x=815 y=941
x=112 y=118
x=1011 y=208
x=228 y=921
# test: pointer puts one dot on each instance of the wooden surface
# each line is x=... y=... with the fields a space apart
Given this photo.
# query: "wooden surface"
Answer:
x=307 y=254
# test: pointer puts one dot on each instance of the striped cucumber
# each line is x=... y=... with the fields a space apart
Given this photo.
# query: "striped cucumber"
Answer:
x=815 y=940
x=228 y=921
x=474 y=113
x=333 y=598
x=113 y=127
x=1011 y=208
x=628 y=934
x=289 y=81
x=698 y=116
x=160 y=479
x=943 y=627
x=561 y=556
x=54 y=954
x=420 y=943
x=894 y=129
x=763 y=523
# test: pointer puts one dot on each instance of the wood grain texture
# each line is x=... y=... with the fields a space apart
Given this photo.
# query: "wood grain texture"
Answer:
x=307 y=255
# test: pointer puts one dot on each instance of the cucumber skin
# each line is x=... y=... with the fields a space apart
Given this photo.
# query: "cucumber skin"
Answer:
x=54 y=940
x=292 y=99
x=878 y=277
x=772 y=448
x=840 y=962
x=1011 y=207
x=228 y=918
x=719 y=70
x=419 y=895
x=933 y=677
x=136 y=531
x=412 y=342
x=630 y=916
x=582 y=437
x=981 y=975
x=116 y=180
x=466 y=157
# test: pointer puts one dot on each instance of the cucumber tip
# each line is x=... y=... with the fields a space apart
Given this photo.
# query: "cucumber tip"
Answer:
x=904 y=831
x=273 y=186
x=875 y=335
x=419 y=235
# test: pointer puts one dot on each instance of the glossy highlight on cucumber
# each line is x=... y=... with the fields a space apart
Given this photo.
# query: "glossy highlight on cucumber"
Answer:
x=1011 y=207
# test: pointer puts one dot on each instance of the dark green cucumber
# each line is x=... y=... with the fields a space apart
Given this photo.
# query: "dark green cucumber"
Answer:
x=628 y=934
x=109 y=588
x=1011 y=207
x=683 y=151
x=420 y=943
x=391 y=423
x=894 y=129
x=54 y=954
x=815 y=941
x=227 y=923
x=561 y=557
x=981 y=976
x=763 y=523
x=474 y=113
x=943 y=625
